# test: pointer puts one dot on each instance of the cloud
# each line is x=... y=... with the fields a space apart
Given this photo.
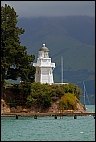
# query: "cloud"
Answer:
x=52 y=8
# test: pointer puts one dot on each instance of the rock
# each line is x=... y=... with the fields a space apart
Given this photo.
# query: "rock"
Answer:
x=13 y=109
x=4 y=107
x=80 y=107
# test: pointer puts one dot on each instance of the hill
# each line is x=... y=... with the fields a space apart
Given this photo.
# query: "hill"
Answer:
x=72 y=37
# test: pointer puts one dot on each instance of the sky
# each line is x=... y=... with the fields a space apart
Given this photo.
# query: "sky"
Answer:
x=52 y=8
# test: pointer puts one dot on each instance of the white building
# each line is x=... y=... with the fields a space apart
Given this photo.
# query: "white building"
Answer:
x=44 y=67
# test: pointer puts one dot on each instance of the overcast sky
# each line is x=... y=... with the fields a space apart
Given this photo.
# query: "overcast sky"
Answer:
x=52 y=8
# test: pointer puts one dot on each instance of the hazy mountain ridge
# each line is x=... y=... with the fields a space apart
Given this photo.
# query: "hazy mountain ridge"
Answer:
x=72 y=37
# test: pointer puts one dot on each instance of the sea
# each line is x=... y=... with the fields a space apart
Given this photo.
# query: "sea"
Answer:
x=48 y=128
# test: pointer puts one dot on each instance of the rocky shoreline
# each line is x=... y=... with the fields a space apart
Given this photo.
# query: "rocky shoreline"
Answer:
x=5 y=109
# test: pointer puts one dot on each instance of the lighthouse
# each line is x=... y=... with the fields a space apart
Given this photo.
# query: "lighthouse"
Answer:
x=44 y=67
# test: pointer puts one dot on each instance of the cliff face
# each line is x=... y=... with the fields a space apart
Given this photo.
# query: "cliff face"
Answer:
x=54 y=108
x=80 y=108
x=4 y=107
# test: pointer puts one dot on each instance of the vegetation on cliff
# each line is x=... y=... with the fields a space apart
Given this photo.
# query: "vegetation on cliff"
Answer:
x=42 y=96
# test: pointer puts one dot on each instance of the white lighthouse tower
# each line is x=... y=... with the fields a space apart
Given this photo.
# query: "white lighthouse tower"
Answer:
x=44 y=67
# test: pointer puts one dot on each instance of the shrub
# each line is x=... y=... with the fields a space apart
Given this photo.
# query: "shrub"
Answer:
x=68 y=101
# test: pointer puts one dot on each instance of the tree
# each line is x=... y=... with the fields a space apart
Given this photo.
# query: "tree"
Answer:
x=15 y=62
x=39 y=96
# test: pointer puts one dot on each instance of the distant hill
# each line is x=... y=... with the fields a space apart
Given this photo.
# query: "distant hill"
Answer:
x=72 y=37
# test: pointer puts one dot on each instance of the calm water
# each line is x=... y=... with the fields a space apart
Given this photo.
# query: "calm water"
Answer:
x=48 y=128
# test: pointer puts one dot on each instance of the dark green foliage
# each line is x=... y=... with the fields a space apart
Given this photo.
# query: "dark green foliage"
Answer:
x=15 y=62
x=74 y=89
x=20 y=93
x=42 y=95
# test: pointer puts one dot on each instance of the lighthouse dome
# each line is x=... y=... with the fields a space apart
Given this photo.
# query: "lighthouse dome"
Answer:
x=45 y=49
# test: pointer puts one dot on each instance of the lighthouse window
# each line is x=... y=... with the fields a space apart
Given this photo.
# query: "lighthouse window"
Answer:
x=46 y=55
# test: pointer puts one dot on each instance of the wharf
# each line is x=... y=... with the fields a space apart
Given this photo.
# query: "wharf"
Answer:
x=49 y=114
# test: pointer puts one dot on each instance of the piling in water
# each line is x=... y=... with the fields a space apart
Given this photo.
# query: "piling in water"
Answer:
x=35 y=116
x=75 y=116
x=55 y=116
x=16 y=116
